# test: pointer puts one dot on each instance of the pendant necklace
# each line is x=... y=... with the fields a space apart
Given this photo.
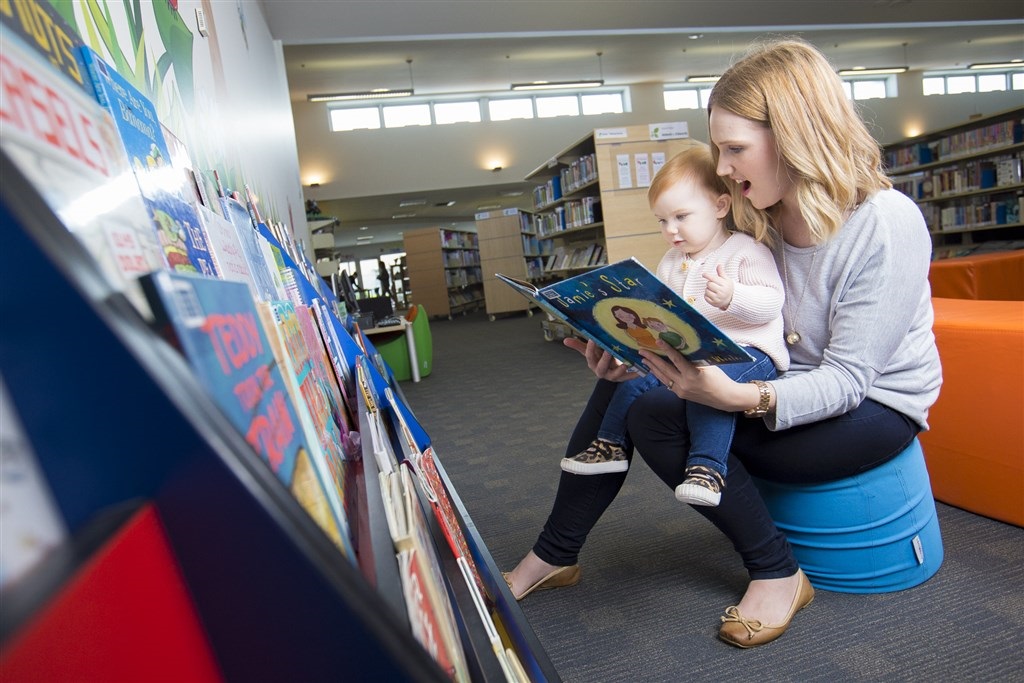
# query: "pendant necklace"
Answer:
x=792 y=336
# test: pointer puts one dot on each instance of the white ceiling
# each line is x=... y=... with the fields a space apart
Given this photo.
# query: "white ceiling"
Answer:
x=484 y=45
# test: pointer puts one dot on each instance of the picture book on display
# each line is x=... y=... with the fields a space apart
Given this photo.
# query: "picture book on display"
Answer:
x=623 y=307
x=216 y=325
x=173 y=215
x=67 y=146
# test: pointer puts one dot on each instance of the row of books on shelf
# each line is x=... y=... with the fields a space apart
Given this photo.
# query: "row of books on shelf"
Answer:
x=999 y=172
x=458 y=239
x=461 y=258
x=573 y=214
x=579 y=173
x=975 y=213
x=464 y=298
x=567 y=257
x=983 y=138
x=463 y=277
x=263 y=335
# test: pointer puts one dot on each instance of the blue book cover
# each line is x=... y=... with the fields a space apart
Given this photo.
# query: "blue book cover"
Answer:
x=216 y=325
x=175 y=219
x=623 y=307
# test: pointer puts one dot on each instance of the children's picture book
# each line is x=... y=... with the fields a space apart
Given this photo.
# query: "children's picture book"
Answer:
x=216 y=325
x=623 y=307
x=66 y=144
x=173 y=215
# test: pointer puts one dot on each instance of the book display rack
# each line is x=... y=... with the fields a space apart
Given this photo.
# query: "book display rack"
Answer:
x=444 y=271
x=213 y=448
x=968 y=181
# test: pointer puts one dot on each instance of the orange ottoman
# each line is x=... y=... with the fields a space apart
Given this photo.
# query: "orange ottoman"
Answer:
x=975 y=447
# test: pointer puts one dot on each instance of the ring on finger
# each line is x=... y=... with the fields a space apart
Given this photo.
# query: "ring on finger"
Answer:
x=671 y=382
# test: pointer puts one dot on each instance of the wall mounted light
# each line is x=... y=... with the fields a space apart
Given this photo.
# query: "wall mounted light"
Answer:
x=375 y=94
x=564 y=85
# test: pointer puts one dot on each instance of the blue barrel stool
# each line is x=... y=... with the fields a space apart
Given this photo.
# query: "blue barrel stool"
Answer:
x=875 y=532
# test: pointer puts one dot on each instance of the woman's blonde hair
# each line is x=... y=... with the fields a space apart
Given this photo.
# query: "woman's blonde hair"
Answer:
x=693 y=163
x=791 y=88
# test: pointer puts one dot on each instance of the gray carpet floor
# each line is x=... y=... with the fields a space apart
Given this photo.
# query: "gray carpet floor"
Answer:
x=499 y=404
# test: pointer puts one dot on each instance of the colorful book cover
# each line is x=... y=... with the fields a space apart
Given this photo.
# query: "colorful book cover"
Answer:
x=174 y=217
x=623 y=307
x=323 y=436
x=216 y=325
x=236 y=213
x=226 y=249
x=324 y=372
x=426 y=596
x=429 y=477
x=67 y=145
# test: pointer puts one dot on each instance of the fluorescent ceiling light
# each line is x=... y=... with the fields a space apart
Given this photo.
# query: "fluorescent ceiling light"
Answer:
x=378 y=94
x=364 y=238
x=702 y=79
x=881 y=71
x=411 y=202
x=399 y=216
x=557 y=85
x=1012 y=64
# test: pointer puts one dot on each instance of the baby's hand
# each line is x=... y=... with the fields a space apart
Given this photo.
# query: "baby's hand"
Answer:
x=720 y=288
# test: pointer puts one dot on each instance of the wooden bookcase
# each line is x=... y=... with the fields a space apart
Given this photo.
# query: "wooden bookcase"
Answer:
x=968 y=180
x=594 y=192
x=508 y=245
x=444 y=271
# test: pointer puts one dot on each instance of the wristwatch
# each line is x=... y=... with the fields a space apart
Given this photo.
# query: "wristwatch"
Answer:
x=761 y=409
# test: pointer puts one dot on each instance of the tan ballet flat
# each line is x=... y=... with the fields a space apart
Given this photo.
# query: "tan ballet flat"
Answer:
x=742 y=632
x=558 y=578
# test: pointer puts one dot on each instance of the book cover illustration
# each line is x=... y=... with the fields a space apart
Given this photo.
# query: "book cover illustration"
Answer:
x=324 y=371
x=174 y=218
x=216 y=325
x=326 y=443
x=426 y=596
x=429 y=477
x=623 y=307
x=66 y=144
x=263 y=280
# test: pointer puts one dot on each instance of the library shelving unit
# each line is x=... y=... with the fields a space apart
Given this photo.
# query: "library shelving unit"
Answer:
x=967 y=179
x=594 y=192
x=444 y=270
x=186 y=559
x=590 y=203
x=508 y=245
x=400 y=283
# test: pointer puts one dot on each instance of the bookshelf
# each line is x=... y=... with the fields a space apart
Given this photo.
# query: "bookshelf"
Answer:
x=968 y=181
x=591 y=197
x=508 y=245
x=590 y=203
x=444 y=271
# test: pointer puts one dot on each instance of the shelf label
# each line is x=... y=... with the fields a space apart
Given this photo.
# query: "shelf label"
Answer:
x=673 y=130
x=610 y=133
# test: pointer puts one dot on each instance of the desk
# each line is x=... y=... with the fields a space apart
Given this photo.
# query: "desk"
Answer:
x=410 y=341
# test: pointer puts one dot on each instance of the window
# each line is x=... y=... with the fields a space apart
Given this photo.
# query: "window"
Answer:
x=562 y=105
x=457 y=112
x=452 y=109
x=869 y=88
x=399 y=116
x=954 y=82
x=686 y=98
x=363 y=118
x=506 y=110
x=961 y=84
x=603 y=103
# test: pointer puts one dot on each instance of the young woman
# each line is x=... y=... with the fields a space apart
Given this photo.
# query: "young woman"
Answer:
x=854 y=256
